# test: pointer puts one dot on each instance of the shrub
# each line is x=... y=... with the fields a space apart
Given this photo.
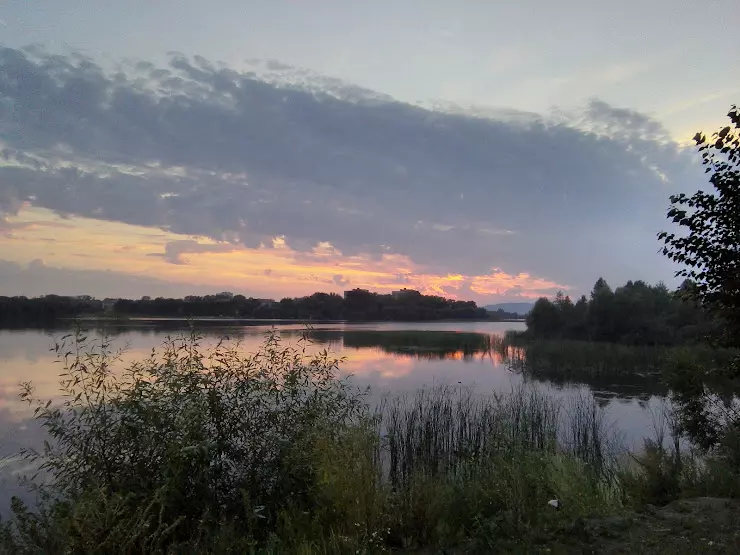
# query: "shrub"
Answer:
x=189 y=436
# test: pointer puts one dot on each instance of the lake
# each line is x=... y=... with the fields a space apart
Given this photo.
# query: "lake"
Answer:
x=391 y=358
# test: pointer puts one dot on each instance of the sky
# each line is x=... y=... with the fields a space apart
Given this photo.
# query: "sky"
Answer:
x=478 y=150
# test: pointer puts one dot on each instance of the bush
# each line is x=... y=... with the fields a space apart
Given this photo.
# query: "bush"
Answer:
x=190 y=436
x=666 y=469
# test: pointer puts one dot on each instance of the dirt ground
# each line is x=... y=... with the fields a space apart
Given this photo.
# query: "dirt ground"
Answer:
x=701 y=525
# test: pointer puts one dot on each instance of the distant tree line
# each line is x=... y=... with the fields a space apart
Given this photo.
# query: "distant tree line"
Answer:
x=44 y=311
x=355 y=305
x=635 y=313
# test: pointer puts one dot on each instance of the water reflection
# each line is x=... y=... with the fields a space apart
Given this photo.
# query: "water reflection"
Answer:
x=388 y=357
x=377 y=354
x=431 y=345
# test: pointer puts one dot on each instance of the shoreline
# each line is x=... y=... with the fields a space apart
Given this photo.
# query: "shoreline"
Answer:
x=124 y=319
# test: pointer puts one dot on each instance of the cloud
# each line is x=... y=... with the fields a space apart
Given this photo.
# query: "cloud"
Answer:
x=174 y=251
x=38 y=278
x=93 y=244
x=10 y=229
x=507 y=58
x=204 y=150
x=339 y=280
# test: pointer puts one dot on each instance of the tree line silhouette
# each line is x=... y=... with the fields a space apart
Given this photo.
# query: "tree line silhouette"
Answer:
x=635 y=313
x=355 y=305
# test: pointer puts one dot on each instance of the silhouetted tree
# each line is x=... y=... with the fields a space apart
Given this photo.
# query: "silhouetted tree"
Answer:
x=601 y=311
x=359 y=305
x=709 y=250
x=635 y=313
x=544 y=320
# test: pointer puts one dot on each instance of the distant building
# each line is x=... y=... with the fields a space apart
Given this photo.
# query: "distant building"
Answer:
x=355 y=292
x=404 y=293
x=265 y=303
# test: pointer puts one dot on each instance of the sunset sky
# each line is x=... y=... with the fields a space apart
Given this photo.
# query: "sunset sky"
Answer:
x=480 y=150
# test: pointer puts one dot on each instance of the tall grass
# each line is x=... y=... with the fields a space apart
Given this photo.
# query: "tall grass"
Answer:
x=458 y=461
x=437 y=430
x=602 y=365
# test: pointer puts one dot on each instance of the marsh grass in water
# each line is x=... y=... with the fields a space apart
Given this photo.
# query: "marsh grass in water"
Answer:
x=568 y=361
x=197 y=450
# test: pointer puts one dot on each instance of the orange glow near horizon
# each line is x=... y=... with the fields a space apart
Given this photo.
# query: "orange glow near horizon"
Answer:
x=271 y=271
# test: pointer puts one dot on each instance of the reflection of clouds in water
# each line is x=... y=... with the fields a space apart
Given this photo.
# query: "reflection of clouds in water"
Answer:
x=30 y=345
x=16 y=434
x=25 y=356
x=368 y=362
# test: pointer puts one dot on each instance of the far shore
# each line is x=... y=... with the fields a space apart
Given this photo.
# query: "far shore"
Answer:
x=125 y=319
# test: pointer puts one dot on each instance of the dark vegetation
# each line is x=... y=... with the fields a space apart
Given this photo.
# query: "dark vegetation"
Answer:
x=633 y=314
x=355 y=305
x=44 y=311
x=610 y=369
x=707 y=245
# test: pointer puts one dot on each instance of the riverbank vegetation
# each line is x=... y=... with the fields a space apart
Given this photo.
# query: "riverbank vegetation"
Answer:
x=198 y=450
x=605 y=366
x=633 y=314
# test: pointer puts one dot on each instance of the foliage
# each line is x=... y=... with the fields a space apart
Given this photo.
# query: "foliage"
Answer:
x=356 y=305
x=634 y=314
x=44 y=311
x=197 y=436
x=564 y=361
x=709 y=255
x=667 y=470
x=709 y=251
x=212 y=451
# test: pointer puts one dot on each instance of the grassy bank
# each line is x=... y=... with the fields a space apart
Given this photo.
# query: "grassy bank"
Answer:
x=567 y=361
x=199 y=450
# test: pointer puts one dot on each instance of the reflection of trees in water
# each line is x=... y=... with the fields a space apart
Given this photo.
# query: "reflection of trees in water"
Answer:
x=431 y=345
x=610 y=371
x=159 y=328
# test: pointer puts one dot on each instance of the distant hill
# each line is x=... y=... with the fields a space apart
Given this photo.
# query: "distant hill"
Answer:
x=517 y=308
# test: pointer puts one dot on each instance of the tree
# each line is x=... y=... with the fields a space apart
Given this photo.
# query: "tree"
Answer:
x=544 y=320
x=709 y=254
x=579 y=325
x=709 y=251
x=601 y=311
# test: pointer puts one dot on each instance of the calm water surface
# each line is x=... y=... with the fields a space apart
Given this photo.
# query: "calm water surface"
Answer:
x=386 y=356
